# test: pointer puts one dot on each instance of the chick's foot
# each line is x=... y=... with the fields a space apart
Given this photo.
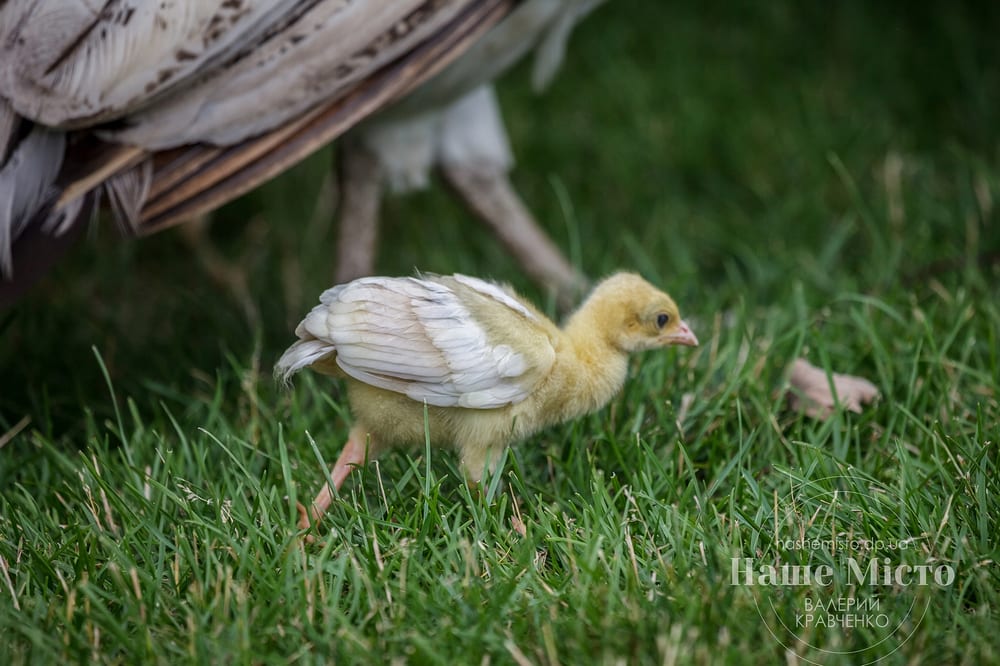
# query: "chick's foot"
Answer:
x=353 y=455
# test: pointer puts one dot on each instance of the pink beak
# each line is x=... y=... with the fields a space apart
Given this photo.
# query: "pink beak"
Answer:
x=683 y=336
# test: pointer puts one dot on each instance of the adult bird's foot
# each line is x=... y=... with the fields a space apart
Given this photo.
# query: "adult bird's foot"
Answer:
x=818 y=395
x=306 y=522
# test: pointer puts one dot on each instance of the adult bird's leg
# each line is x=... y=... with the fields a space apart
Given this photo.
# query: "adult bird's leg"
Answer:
x=361 y=193
x=490 y=195
x=353 y=455
x=230 y=275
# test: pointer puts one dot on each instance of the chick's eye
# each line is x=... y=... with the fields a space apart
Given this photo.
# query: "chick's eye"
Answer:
x=662 y=319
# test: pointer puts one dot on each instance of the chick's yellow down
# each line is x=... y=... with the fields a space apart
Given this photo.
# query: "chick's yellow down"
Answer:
x=490 y=367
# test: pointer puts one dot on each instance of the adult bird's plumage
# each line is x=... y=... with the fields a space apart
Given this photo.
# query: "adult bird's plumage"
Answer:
x=489 y=368
x=174 y=108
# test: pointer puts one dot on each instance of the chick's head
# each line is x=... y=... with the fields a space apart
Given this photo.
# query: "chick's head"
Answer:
x=636 y=315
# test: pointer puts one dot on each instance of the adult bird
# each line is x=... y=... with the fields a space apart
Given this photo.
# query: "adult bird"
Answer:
x=170 y=109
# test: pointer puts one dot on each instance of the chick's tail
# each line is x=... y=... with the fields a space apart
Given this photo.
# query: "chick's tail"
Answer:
x=301 y=355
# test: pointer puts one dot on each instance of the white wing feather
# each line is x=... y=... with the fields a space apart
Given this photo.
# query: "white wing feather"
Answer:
x=416 y=337
x=496 y=292
x=25 y=181
x=454 y=118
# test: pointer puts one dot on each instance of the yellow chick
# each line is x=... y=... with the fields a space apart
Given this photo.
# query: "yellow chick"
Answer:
x=491 y=368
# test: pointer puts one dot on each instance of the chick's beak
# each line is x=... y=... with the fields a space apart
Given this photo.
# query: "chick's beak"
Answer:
x=683 y=336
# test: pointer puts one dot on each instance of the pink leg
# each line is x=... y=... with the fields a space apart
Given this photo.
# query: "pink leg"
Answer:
x=353 y=455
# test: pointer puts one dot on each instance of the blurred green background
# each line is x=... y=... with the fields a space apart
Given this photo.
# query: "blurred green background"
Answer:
x=727 y=150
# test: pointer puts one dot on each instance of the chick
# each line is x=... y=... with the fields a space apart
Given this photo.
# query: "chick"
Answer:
x=490 y=368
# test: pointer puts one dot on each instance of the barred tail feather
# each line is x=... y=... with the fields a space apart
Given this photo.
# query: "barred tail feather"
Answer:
x=26 y=181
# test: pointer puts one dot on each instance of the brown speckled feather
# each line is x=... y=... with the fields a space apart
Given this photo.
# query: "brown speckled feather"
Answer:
x=213 y=97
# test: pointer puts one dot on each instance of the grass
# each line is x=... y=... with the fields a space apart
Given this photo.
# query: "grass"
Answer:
x=805 y=182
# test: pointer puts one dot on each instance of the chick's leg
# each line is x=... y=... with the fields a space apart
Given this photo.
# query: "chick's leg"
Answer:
x=476 y=462
x=353 y=455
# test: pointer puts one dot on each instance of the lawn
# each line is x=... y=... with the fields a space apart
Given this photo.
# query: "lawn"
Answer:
x=806 y=180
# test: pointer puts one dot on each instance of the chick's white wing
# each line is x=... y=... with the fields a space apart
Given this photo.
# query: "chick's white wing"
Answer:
x=420 y=338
